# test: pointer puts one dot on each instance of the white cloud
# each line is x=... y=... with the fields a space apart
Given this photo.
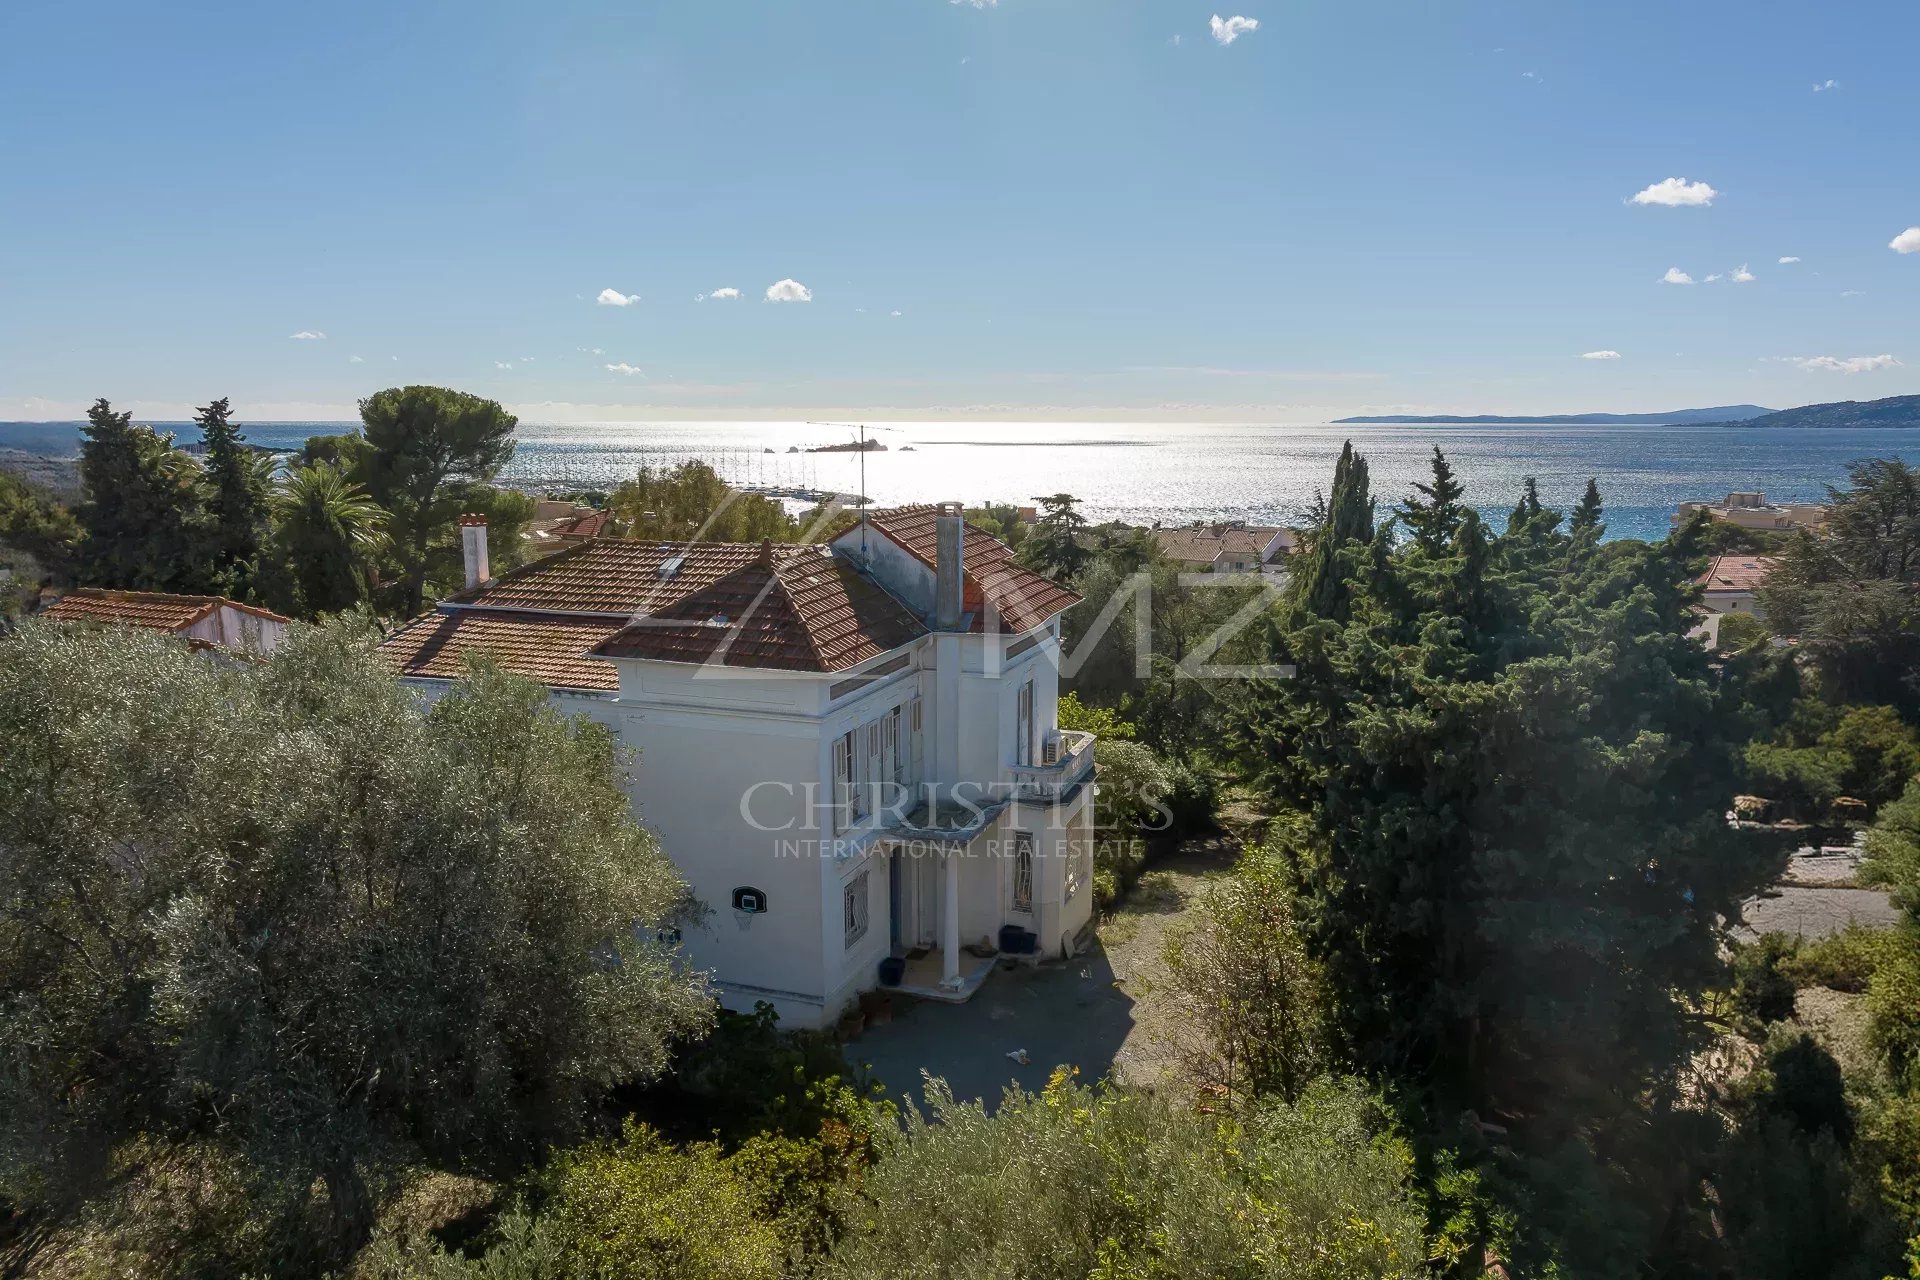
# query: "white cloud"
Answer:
x=1907 y=241
x=1227 y=30
x=788 y=291
x=977 y=4
x=615 y=298
x=1853 y=293
x=1175 y=42
x=1789 y=260
x=1676 y=276
x=1845 y=364
x=1741 y=275
x=503 y=364
x=723 y=295
x=355 y=360
x=1676 y=193
x=1830 y=84
x=1528 y=75
x=1600 y=355
x=896 y=313
x=623 y=367
x=1715 y=278
x=314 y=335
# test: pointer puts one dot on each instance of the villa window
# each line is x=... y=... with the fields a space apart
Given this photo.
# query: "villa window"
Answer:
x=1023 y=872
x=855 y=913
x=893 y=762
x=1023 y=726
x=1079 y=868
x=844 y=797
x=916 y=738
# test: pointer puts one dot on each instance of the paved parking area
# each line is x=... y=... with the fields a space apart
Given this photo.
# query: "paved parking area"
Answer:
x=1069 y=1012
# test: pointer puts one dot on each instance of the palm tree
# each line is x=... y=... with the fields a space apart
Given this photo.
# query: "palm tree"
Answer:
x=328 y=531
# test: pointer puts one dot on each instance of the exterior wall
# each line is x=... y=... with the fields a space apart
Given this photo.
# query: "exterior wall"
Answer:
x=736 y=778
x=1732 y=602
x=239 y=629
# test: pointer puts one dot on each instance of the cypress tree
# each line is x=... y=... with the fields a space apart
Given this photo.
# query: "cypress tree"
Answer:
x=236 y=499
x=1434 y=516
x=143 y=518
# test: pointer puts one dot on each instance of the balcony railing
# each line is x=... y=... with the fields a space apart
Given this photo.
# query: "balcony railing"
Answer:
x=1066 y=759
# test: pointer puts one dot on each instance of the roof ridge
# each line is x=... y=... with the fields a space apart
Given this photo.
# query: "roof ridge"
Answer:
x=776 y=573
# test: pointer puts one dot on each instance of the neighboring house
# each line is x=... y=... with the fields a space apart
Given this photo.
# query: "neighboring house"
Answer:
x=1729 y=584
x=557 y=524
x=1753 y=511
x=849 y=750
x=210 y=621
x=1225 y=546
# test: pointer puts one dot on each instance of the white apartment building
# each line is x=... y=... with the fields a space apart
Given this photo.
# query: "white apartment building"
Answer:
x=849 y=750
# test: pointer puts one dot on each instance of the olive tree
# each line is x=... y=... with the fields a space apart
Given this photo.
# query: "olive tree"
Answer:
x=282 y=909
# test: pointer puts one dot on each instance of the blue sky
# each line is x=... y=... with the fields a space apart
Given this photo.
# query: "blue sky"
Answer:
x=1077 y=208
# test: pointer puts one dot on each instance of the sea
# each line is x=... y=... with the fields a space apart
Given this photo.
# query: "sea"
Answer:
x=1177 y=473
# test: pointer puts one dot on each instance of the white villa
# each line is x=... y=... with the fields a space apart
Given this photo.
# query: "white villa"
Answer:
x=849 y=750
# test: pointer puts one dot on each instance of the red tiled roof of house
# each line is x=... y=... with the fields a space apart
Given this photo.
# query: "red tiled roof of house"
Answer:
x=1023 y=598
x=159 y=610
x=549 y=649
x=1206 y=543
x=1736 y=573
x=589 y=524
x=795 y=608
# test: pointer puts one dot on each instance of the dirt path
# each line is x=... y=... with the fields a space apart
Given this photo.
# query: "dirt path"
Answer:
x=1135 y=938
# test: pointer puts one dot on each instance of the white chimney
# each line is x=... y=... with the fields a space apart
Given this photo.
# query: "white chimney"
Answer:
x=473 y=545
x=949 y=567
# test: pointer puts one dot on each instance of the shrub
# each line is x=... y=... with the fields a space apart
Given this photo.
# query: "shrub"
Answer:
x=640 y=1208
x=1250 y=994
x=1739 y=631
x=1105 y=723
x=1192 y=800
x=1762 y=990
x=1893 y=1007
x=1076 y=1182
x=1843 y=961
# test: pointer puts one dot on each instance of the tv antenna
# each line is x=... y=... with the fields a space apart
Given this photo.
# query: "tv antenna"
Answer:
x=861 y=427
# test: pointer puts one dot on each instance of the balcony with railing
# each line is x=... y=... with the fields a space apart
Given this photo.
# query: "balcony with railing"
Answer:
x=1066 y=761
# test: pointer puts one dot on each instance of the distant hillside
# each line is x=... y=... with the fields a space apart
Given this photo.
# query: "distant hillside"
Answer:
x=1718 y=416
x=59 y=439
x=1894 y=411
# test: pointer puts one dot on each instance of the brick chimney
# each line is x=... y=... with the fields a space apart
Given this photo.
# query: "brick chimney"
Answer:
x=949 y=570
x=473 y=546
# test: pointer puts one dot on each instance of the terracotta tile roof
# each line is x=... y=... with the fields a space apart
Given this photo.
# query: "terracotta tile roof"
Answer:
x=159 y=610
x=1023 y=598
x=588 y=525
x=1206 y=543
x=1736 y=573
x=793 y=608
x=548 y=649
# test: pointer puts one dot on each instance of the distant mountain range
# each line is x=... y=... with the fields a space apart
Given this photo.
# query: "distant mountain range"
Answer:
x=1718 y=415
x=1894 y=411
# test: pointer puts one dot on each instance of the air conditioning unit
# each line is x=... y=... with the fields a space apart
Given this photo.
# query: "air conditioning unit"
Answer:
x=1050 y=749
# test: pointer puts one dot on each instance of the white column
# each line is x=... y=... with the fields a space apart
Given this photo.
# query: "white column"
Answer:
x=950 y=924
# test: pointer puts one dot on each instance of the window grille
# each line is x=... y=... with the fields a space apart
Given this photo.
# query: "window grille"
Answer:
x=1023 y=872
x=855 y=914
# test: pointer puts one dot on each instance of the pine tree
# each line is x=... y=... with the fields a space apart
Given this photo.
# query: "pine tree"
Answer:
x=1586 y=516
x=1054 y=548
x=143 y=518
x=1434 y=516
x=236 y=499
x=1510 y=767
